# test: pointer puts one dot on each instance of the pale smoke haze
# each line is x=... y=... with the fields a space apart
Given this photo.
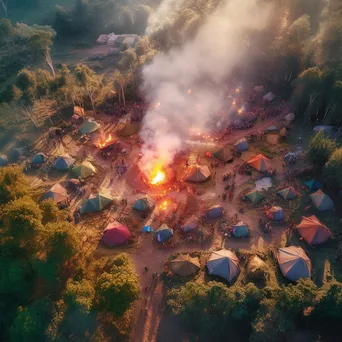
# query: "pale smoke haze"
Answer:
x=210 y=57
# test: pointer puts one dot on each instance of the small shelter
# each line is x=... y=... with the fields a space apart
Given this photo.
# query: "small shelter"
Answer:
x=3 y=160
x=102 y=39
x=57 y=193
x=190 y=224
x=74 y=184
x=313 y=185
x=89 y=127
x=275 y=213
x=313 y=231
x=96 y=203
x=224 y=154
x=224 y=264
x=184 y=265
x=241 y=145
x=115 y=234
x=17 y=153
x=290 y=158
x=289 y=117
x=269 y=97
x=214 y=212
x=147 y=229
x=272 y=128
x=259 y=162
x=198 y=174
x=240 y=230
x=254 y=196
x=63 y=163
x=294 y=263
x=163 y=233
x=39 y=159
x=321 y=200
x=144 y=204
x=84 y=170
x=288 y=193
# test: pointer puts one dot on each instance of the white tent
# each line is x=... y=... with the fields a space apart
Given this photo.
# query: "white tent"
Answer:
x=269 y=97
x=102 y=39
x=289 y=117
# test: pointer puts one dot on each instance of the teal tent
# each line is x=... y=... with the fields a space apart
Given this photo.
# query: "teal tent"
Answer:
x=3 y=160
x=313 y=185
x=254 y=196
x=89 y=127
x=240 y=230
x=39 y=158
x=321 y=200
x=288 y=193
x=143 y=204
x=63 y=163
x=224 y=264
x=18 y=152
x=96 y=203
x=224 y=154
x=163 y=233
x=84 y=170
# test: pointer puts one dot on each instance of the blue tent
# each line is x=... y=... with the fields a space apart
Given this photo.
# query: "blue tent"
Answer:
x=313 y=185
x=143 y=204
x=275 y=213
x=241 y=145
x=214 y=212
x=290 y=158
x=147 y=229
x=3 y=160
x=240 y=230
x=163 y=233
x=63 y=163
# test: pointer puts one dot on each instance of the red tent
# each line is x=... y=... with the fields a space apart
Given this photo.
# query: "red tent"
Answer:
x=260 y=163
x=115 y=234
x=313 y=231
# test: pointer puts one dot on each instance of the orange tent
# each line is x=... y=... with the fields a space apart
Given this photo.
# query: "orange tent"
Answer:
x=260 y=163
x=313 y=231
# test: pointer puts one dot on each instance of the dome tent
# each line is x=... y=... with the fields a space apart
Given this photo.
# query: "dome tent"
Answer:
x=198 y=174
x=89 y=127
x=269 y=97
x=17 y=153
x=224 y=154
x=184 y=265
x=254 y=196
x=290 y=158
x=321 y=200
x=3 y=160
x=96 y=203
x=240 y=230
x=225 y=264
x=288 y=193
x=313 y=231
x=84 y=170
x=163 y=233
x=190 y=224
x=115 y=234
x=39 y=158
x=214 y=212
x=143 y=204
x=63 y=163
x=313 y=185
x=275 y=213
x=241 y=145
x=57 y=193
x=294 y=263
x=259 y=162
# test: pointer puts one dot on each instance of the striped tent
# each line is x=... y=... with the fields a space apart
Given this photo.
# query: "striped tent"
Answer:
x=321 y=201
x=184 y=265
x=254 y=196
x=198 y=174
x=259 y=162
x=288 y=193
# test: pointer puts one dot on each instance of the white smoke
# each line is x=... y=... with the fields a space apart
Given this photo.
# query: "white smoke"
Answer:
x=208 y=59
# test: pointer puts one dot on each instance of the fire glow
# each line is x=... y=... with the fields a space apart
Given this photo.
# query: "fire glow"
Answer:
x=158 y=177
x=105 y=142
x=163 y=206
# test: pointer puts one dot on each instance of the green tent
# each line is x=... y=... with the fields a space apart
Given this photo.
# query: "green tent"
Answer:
x=89 y=127
x=143 y=204
x=288 y=193
x=321 y=201
x=39 y=158
x=84 y=170
x=240 y=230
x=96 y=203
x=313 y=184
x=254 y=196
x=224 y=154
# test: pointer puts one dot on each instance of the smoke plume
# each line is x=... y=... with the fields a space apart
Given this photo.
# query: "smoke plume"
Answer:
x=179 y=83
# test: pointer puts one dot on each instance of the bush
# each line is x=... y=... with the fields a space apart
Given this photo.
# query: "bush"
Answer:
x=333 y=169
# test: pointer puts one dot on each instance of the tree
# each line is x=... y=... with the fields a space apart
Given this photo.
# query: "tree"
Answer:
x=50 y=211
x=128 y=59
x=298 y=35
x=320 y=149
x=116 y=291
x=120 y=84
x=13 y=184
x=27 y=82
x=332 y=169
x=6 y=28
x=4 y=4
x=330 y=304
x=141 y=14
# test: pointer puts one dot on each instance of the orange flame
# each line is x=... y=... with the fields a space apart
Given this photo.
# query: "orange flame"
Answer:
x=105 y=142
x=164 y=205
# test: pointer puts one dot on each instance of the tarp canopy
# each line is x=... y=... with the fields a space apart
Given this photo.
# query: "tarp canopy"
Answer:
x=190 y=224
x=18 y=152
x=163 y=233
x=63 y=163
x=225 y=264
x=3 y=160
x=39 y=158
x=269 y=97
x=288 y=193
x=89 y=127
x=147 y=229
x=144 y=204
x=294 y=263
x=290 y=158
x=260 y=163
x=241 y=145
x=115 y=234
x=240 y=230
x=57 y=193
x=272 y=128
x=313 y=184
x=214 y=212
x=313 y=231
x=96 y=203
x=254 y=196
x=224 y=154
x=184 y=265
x=275 y=213
x=289 y=117
x=84 y=170
x=321 y=200
x=197 y=174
